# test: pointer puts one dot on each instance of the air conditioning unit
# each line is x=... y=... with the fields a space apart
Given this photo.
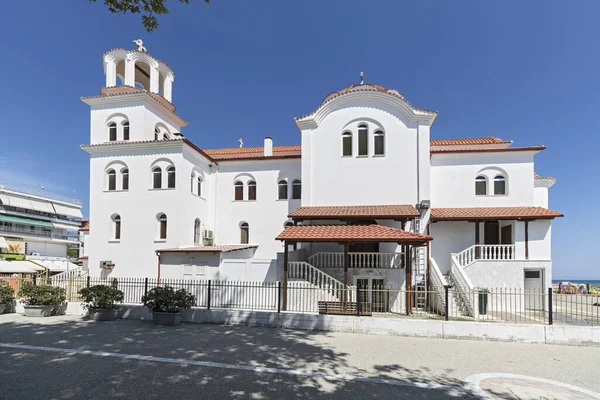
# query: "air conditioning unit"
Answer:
x=107 y=264
x=208 y=234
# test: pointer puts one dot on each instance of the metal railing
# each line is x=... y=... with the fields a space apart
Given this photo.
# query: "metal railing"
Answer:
x=491 y=305
x=357 y=260
x=40 y=214
x=463 y=285
x=40 y=193
x=486 y=252
x=38 y=233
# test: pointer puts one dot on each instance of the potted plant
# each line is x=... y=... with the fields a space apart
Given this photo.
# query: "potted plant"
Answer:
x=101 y=302
x=39 y=301
x=7 y=296
x=166 y=304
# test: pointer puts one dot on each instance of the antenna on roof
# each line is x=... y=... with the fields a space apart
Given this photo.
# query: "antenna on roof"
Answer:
x=362 y=78
x=241 y=142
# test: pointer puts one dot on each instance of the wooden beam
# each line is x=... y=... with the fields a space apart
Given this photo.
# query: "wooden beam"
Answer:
x=346 y=262
x=477 y=239
x=285 y=275
x=527 y=240
x=408 y=278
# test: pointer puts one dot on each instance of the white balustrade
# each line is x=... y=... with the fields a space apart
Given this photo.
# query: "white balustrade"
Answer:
x=305 y=271
x=357 y=260
x=486 y=252
x=462 y=284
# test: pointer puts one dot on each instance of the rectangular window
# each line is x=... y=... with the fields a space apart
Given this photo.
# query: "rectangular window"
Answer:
x=157 y=180
x=347 y=145
x=163 y=229
x=296 y=191
x=283 y=191
x=363 y=142
x=532 y=274
x=171 y=180
x=499 y=187
x=112 y=182
x=379 y=145
x=239 y=192
x=117 y=230
x=480 y=188
x=251 y=192
x=126 y=132
x=125 y=181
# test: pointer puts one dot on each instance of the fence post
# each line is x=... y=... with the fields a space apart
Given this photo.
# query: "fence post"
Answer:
x=34 y=280
x=446 y=304
x=358 y=300
x=145 y=288
x=208 y=296
x=279 y=296
x=550 y=306
x=88 y=281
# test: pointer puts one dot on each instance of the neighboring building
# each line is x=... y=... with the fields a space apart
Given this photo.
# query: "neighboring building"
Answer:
x=39 y=226
x=366 y=164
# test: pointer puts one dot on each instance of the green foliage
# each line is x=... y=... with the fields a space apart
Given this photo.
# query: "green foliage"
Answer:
x=101 y=296
x=167 y=299
x=43 y=295
x=149 y=8
x=73 y=253
x=11 y=256
x=7 y=294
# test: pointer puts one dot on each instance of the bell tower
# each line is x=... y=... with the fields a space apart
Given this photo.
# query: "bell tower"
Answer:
x=136 y=102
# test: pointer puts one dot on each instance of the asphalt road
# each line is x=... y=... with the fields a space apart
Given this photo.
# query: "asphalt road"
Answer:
x=66 y=358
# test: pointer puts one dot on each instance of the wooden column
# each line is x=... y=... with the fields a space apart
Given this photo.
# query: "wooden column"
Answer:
x=346 y=262
x=408 y=283
x=477 y=249
x=285 y=275
x=526 y=240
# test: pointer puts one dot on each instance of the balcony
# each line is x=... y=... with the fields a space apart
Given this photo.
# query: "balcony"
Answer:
x=486 y=252
x=23 y=212
x=357 y=260
x=13 y=230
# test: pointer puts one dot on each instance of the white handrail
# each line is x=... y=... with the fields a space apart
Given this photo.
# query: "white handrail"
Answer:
x=462 y=283
x=438 y=280
x=357 y=260
x=305 y=271
x=486 y=252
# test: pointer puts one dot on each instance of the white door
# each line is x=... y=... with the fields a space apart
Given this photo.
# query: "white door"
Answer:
x=534 y=289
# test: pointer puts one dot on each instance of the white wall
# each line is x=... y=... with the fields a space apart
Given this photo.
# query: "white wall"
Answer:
x=142 y=116
x=541 y=197
x=448 y=238
x=506 y=274
x=453 y=179
x=47 y=248
x=266 y=216
x=332 y=179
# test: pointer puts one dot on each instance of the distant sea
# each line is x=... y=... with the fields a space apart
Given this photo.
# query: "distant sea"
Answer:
x=595 y=283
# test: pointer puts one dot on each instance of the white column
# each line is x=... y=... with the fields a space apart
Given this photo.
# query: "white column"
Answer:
x=130 y=72
x=111 y=73
x=168 y=87
x=154 y=80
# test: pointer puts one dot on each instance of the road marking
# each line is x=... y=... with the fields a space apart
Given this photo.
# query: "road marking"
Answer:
x=242 y=367
x=473 y=382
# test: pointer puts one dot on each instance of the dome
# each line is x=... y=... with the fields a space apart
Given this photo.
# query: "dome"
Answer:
x=362 y=87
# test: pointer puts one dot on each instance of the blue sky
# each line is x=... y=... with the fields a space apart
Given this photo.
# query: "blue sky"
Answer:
x=524 y=71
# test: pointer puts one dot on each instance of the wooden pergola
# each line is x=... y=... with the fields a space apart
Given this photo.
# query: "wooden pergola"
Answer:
x=346 y=235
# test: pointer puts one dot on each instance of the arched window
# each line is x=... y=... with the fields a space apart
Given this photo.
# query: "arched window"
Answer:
x=116 y=227
x=251 y=190
x=238 y=191
x=480 y=186
x=192 y=183
x=199 y=186
x=499 y=185
x=171 y=177
x=379 y=148
x=347 y=144
x=157 y=178
x=126 y=130
x=112 y=179
x=363 y=140
x=112 y=131
x=156 y=133
x=125 y=179
x=296 y=189
x=197 y=231
x=162 y=226
x=244 y=233
x=282 y=190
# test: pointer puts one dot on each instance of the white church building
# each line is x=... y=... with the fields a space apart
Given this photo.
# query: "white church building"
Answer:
x=366 y=198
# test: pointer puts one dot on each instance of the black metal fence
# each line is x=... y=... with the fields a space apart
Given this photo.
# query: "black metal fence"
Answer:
x=497 y=305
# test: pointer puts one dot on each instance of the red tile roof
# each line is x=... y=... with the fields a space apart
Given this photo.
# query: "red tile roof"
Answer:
x=487 y=150
x=239 y=153
x=350 y=233
x=85 y=226
x=355 y=212
x=209 y=249
x=492 y=213
x=536 y=176
x=467 y=141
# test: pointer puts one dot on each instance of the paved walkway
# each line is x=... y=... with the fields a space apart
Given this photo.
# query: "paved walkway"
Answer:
x=64 y=357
